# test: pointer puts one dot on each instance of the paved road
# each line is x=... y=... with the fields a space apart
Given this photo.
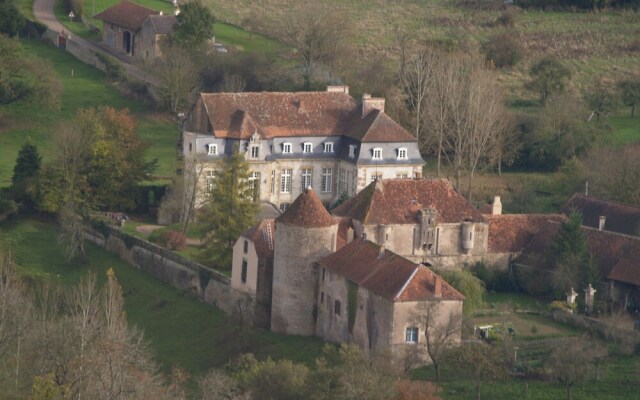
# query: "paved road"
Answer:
x=43 y=11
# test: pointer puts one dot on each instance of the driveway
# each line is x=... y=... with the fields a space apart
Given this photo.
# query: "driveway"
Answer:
x=43 y=11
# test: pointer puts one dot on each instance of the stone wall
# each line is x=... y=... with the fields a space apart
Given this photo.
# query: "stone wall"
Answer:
x=80 y=52
x=211 y=286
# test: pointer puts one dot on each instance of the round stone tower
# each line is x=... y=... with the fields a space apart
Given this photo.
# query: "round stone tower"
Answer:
x=305 y=233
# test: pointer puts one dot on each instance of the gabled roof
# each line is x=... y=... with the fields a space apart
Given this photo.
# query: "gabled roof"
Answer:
x=162 y=24
x=262 y=235
x=621 y=218
x=398 y=201
x=291 y=114
x=387 y=275
x=510 y=233
x=307 y=211
x=127 y=14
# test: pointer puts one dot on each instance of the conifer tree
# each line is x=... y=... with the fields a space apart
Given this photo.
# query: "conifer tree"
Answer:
x=230 y=209
x=25 y=172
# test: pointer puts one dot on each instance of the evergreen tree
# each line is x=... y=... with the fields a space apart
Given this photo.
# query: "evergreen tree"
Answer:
x=230 y=209
x=25 y=172
x=194 y=25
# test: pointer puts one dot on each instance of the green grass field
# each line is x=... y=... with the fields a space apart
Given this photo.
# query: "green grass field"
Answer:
x=182 y=331
x=83 y=87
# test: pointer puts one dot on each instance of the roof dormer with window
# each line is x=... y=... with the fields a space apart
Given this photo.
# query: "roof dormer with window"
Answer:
x=376 y=153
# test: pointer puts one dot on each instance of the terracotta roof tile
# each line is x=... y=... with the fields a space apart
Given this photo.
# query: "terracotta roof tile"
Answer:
x=343 y=227
x=259 y=235
x=377 y=127
x=621 y=218
x=127 y=14
x=626 y=270
x=397 y=201
x=509 y=233
x=307 y=211
x=162 y=24
x=388 y=275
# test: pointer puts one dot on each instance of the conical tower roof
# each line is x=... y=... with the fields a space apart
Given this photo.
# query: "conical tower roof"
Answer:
x=307 y=211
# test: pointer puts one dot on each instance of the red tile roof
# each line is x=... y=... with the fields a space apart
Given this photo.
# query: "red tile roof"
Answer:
x=626 y=270
x=259 y=235
x=510 y=233
x=127 y=14
x=397 y=201
x=621 y=218
x=286 y=114
x=307 y=211
x=387 y=275
x=343 y=227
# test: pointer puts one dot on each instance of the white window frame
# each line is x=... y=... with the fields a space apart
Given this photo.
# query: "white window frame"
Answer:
x=256 y=148
x=352 y=150
x=283 y=206
x=402 y=175
x=412 y=334
x=254 y=183
x=210 y=179
x=327 y=180
x=307 y=147
x=402 y=153
x=287 y=148
x=285 y=180
x=376 y=153
x=306 y=175
x=328 y=147
x=376 y=176
x=212 y=149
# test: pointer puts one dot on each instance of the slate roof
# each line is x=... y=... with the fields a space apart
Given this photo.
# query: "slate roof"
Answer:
x=389 y=275
x=258 y=234
x=397 y=201
x=127 y=14
x=307 y=211
x=290 y=114
x=621 y=218
x=510 y=233
x=162 y=24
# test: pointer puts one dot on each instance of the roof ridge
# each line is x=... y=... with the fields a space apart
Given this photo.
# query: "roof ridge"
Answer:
x=413 y=274
x=592 y=198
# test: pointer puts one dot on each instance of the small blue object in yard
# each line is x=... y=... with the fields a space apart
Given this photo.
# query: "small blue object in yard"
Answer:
x=636 y=325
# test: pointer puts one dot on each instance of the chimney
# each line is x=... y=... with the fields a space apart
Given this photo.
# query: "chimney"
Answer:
x=603 y=220
x=496 y=207
x=161 y=13
x=350 y=235
x=338 y=89
x=382 y=250
x=437 y=287
x=371 y=103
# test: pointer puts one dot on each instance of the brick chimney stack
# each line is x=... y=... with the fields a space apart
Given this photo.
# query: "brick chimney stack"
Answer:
x=371 y=103
x=338 y=89
x=350 y=235
x=437 y=287
x=496 y=207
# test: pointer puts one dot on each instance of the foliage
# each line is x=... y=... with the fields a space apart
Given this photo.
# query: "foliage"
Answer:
x=416 y=390
x=503 y=49
x=602 y=100
x=112 y=66
x=177 y=73
x=630 y=93
x=572 y=361
x=469 y=285
x=11 y=19
x=173 y=240
x=480 y=362
x=229 y=210
x=494 y=279
x=46 y=388
x=614 y=174
x=548 y=76
x=273 y=380
x=25 y=172
x=352 y=303
x=194 y=25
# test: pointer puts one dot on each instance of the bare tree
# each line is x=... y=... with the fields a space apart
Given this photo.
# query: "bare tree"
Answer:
x=232 y=83
x=71 y=235
x=481 y=363
x=441 y=330
x=614 y=174
x=572 y=360
x=177 y=73
x=417 y=79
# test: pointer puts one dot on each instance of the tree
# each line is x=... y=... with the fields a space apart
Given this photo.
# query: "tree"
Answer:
x=11 y=19
x=25 y=172
x=273 y=380
x=480 y=362
x=548 y=76
x=177 y=73
x=230 y=208
x=194 y=25
x=440 y=331
x=630 y=94
x=503 y=49
x=614 y=174
x=469 y=285
x=602 y=101
x=571 y=362
x=417 y=79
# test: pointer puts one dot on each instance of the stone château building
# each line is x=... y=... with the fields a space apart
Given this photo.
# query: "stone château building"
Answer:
x=322 y=140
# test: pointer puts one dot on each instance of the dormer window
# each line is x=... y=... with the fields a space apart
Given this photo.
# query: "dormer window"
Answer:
x=286 y=148
x=402 y=153
x=254 y=151
x=328 y=147
x=377 y=153
x=307 y=147
x=352 y=150
x=212 y=149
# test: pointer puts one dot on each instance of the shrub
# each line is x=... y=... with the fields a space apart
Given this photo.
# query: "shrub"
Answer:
x=496 y=280
x=503 y=49
x=173 y=240
x=508 y=18
x=111 y=66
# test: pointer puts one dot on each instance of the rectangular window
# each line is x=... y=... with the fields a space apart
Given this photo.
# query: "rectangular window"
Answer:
x=285 y=181
x=211 y=179
x=255 y=151
x=336 y=307
x=343 y=181
x=402 y=175
x=328 y=147
x=327 y=177
x=376 y=177
x=306 y=178
x=213 y=149
x=246 y=246
x=412 y=335
x=402 y=153
x=273 y=181
x=352 y=150
x=307 y=147
x=284 y=206
x=377 y=153
x=243 y=274
x=286 y=148
x=254 y=185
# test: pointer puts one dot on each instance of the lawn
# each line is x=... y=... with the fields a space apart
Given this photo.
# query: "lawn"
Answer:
x=83 y=87
x=182 y=331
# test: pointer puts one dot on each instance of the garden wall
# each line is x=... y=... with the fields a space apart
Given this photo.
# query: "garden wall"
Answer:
x=211 y=286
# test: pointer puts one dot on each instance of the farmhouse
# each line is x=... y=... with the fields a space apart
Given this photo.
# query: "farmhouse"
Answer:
x=134 y=29
x=293 y=141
